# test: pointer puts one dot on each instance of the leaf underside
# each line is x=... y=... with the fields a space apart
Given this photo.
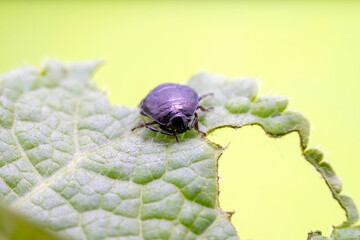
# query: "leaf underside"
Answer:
x=69 y=161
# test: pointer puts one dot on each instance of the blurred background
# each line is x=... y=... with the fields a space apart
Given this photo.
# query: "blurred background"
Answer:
x=307 y=51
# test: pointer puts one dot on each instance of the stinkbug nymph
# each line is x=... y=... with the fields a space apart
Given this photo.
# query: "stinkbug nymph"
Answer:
x=172 y=107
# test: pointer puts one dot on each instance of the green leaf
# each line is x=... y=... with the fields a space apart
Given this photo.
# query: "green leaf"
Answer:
x=69 y=160
x=317 y=235
x=315 y=157
x=351 y=233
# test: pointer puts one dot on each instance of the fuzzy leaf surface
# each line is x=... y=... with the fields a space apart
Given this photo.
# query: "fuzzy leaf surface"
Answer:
x=69 y=160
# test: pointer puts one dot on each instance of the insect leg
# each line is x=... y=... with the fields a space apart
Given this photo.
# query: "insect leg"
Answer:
x=205 y=95
x=193 y=122
x=144 y=125
x=169 y=131
x=196 y=125
x=176 y=137
x=163 y=132
x=157 y=130
x=204 y=109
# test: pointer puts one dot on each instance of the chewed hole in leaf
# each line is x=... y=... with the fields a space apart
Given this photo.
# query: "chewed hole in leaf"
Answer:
x=287 y=186
x=69 y=160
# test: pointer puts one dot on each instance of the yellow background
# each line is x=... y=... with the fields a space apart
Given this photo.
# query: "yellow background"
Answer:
x=307 y=51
